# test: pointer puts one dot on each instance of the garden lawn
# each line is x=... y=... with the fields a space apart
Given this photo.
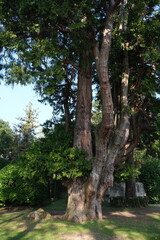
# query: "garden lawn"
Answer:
x=120 y=224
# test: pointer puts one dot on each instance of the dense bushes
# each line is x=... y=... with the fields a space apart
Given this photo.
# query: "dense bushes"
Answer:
x=3 y=162
x=20 y=185
x=150 y=176
x=30 y=179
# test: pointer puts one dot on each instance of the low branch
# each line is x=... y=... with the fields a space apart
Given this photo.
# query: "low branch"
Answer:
x=61 y=29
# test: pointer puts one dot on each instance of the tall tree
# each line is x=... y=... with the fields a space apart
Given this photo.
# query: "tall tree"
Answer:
x=25 y=130
x=45 y=36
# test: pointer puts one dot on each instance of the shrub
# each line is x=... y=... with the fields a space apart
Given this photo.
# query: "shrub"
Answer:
x=3 y=162
x=30 y=179
x=18 y=188
x=150 y=176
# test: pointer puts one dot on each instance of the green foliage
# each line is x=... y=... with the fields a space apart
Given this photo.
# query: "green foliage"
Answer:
x=62 y=159
x=125 y=171
x=21 y=184
x=25 y=130
x=27 y=181
x=96 y=112
x=58 y=156
x=150 y=176
x=6 y=139
x=3 y=163
x=69 y=164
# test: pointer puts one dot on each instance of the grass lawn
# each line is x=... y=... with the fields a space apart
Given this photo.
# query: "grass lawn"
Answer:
x=120 y=224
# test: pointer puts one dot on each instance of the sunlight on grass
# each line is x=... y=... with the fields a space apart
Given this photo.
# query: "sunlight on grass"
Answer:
x=155 y=216
x=17 y=226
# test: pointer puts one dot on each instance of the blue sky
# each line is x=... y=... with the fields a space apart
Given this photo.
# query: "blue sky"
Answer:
x=13 y=101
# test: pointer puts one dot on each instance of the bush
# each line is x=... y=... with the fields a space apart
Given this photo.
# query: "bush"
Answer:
x=3 y=162
x=30 y=179
x=17 y=188
x=150 y=176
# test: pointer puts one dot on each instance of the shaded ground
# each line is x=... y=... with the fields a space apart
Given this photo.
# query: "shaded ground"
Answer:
x=142 y=215
x=138 y=213
x=118 y=224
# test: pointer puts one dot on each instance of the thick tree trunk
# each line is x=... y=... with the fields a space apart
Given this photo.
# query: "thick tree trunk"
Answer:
x=76 y=207
x=82 y=132
x=88 y=195
x=113 y=141
x=105 y=127
x=76 y=199
x=117 y=141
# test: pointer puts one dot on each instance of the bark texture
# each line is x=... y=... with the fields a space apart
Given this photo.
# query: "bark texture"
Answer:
x=76 y=198
x=109 y=140
x=87 y=194
x=82 y=132
x=77 y=188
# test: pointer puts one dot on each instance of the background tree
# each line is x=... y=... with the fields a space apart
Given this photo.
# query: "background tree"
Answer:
x=6 y=141
x=25 y=130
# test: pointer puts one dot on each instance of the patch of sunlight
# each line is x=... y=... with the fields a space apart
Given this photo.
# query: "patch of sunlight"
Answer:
x=124 y=214
x=44 y=234
x=154 y=215
x=9 y=234
x=129 y=235
x=60 y=226
x=109 y=227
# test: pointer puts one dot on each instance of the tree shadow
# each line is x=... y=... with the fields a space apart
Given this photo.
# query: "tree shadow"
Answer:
x=10 y=219
x=21 y=218
x=144 y=221
x=117 y=224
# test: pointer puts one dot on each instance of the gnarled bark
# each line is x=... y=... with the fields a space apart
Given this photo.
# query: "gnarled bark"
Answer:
x=82 y=132
x=76 y=198
x=90 y=193
x=76 y=210
x=104 y=128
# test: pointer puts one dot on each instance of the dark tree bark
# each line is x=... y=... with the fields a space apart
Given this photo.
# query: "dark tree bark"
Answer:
x=82 y=130
x=111 y=138
x=77 y=188
x=88 y=194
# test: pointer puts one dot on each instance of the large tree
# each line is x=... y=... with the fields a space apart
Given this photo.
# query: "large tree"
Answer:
x=51 y=36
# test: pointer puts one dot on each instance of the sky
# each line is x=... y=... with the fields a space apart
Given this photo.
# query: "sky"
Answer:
x=13 y=101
